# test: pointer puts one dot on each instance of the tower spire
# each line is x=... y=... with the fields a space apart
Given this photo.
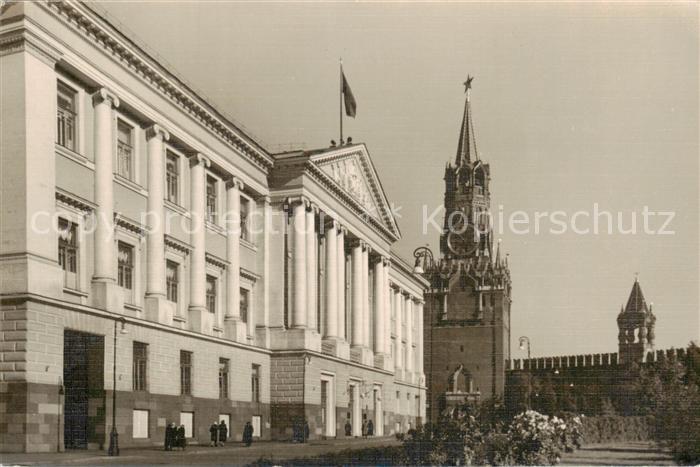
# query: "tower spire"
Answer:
x=466 y=147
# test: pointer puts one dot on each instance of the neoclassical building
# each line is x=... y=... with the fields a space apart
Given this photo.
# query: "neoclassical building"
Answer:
x=160 y=265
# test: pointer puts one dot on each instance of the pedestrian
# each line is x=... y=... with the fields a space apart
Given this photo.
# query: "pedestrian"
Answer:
x=348 y=428
x=364 y=428
x=223 y=433
x=180 y=439
x=169 y=436
x=248 y=434
x=370 y=428
x=306 y=431
x=214 y=434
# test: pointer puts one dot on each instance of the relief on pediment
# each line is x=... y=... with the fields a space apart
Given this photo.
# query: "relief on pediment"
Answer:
x=348 y=175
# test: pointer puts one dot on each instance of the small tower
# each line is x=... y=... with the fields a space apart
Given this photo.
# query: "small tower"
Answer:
x=635 y=323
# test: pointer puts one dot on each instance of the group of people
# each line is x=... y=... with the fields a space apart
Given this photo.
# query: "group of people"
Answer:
x=367 y=428
x=175 y=437
x=218 y=431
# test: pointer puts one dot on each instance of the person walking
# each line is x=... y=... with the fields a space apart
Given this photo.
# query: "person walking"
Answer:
x=214 y=434
x=364 y=428
x=248 y=434
x=180 y=439
x=223 y=432
x=348 y=428
x=169 y=436
x=306 y=431
x=370 y=428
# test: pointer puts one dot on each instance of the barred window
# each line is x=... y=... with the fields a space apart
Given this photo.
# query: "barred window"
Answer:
x=125 y=150
x=66 y=117
x=185 y=373
x=172 y=280
x=211 y=294
x=172 y=177
x=140 y=363
x=68 y=252
x=223 y=378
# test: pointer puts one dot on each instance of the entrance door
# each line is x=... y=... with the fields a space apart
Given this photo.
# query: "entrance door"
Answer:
x=328 y=405
x=83 y=380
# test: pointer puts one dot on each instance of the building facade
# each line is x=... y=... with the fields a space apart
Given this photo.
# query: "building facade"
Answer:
x=467 y=310
x=160 y=265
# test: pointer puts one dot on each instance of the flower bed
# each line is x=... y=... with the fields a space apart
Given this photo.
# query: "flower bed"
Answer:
x=607 y=428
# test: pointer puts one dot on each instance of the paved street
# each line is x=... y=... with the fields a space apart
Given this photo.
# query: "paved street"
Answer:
x=629 y=453
x=233 y=454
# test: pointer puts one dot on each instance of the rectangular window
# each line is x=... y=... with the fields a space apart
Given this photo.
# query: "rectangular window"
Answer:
x=172 y=177
x=223 y=378
x=211 y=200
x=68 y=252
x=172 y=280
x=140 y=364
x=185 y=373
x=245 y=300
x=125 y=150
x=256 y=419
x=125 y=272
x=66 y=117
x=245 y=219
x=140 y=423
x=211 y=294
x=255 y=382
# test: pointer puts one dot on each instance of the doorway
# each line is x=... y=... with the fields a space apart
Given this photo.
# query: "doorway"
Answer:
x=355 y=410
x=328 y=405
x=378 y=412
x=83 y=380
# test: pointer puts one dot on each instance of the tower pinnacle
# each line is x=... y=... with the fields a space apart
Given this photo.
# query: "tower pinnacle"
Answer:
x=466 y=147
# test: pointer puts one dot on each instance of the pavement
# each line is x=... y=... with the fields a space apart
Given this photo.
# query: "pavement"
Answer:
x=232 y=454
x=627 y=453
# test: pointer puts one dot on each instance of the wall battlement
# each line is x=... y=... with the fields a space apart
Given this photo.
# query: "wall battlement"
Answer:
x=587 y=360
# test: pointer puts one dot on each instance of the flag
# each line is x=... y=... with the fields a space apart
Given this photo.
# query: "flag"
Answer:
x=350 y=104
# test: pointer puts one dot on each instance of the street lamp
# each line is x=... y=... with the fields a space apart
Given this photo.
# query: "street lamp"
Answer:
x=522 y=340
x=424 y=260
x=113 y=435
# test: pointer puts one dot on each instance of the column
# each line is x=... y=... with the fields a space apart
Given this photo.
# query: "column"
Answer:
x=262 y=335
x=105 y=294
x=232 y=320
x=155 y=277
x=155 y=240
x=357 y=293
x=198 y=272
x=331 y=312
x=365 y=298
x=419 y=344
x=387 y=307
x=311 y=267
x=299 y=264
x=379 y=333
x=409 y=333
x=398 y=306
x=340 y=291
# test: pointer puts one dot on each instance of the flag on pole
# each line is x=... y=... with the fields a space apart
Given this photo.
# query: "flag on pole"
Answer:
x=350 y=104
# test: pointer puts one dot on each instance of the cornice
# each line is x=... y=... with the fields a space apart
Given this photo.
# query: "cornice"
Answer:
x=102 y=34
x=177 y=245
x=74 y=201
x=216 y=261
x=128 y=224
x=22 y=39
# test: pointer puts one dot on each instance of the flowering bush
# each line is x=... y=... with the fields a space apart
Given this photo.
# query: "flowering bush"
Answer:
x=536 y=439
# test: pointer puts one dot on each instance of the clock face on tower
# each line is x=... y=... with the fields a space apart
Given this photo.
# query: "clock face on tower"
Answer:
x=458 y=242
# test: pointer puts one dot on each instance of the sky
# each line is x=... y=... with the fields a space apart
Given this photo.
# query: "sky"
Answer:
x=574 y=105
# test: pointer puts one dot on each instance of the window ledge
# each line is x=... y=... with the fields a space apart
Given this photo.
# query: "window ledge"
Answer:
x=176 y=207
x=180 y=319
x=131 y=306
x=133 y=186
x=218 y=329
x=74 y=156
x=76 y=292
x=248 y=244
x=215 y=228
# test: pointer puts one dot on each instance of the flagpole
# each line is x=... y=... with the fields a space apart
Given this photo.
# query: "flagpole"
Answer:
x=341 y=102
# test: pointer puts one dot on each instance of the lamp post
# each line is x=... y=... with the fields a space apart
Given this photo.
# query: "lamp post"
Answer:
x=113 y=435
x=522 y=340
x=424 y=260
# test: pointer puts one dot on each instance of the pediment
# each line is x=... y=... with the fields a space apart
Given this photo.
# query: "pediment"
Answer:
x=352 y=170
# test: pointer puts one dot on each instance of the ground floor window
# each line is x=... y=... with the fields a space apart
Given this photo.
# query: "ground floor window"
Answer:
x=187 y=419
x=140 y=423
